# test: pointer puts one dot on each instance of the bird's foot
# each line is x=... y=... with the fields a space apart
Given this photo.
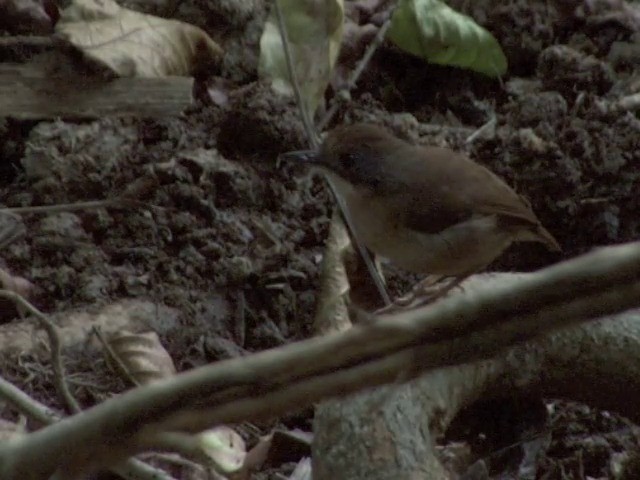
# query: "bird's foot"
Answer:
x=424 y=292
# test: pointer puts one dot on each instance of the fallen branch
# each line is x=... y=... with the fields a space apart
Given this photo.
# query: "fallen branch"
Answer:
x=131 y=469
x=458 y=329
x=597 y=363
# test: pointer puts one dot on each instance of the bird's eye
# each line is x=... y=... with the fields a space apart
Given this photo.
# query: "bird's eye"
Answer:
x=348 y=160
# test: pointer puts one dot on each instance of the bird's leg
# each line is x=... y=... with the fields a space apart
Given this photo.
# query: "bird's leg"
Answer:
x=428 y=290
x=430 y=296
x=418 y=290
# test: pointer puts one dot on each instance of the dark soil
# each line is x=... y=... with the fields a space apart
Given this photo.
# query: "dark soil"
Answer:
x=234 y=242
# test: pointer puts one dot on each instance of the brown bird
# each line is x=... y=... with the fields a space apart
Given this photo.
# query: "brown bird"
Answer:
x=426 y=209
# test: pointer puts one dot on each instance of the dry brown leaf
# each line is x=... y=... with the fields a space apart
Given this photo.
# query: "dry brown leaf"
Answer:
x=134 y=44
x=27 y=338
x=143 y=356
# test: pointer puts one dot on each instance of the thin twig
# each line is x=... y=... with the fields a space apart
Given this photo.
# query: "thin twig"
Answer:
x=362 y=250
x=27 y=405
x=131 y=469
x=114 y=358
x=484 y=129
x=72 y=207
x=355 y=75
x=314 y=141
x=56 y=348
x=304 y=111
x=11 y=229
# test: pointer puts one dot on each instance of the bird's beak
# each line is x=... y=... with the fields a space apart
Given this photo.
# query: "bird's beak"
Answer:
x=300 y=156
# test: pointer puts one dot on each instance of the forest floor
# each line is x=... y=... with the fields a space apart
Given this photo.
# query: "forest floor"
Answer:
x=233 y=242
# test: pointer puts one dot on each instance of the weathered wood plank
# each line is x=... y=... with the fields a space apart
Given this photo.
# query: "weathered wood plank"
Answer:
x=33 y=90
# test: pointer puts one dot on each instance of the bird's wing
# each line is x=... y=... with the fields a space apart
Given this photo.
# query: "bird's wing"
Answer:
x=454 y=189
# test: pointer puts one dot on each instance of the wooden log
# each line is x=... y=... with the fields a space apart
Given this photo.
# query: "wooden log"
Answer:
x=35 y=90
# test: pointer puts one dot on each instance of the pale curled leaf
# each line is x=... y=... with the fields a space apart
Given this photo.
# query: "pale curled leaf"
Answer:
x=302 y=470
x=432 y=30
x=133 y=44
x=143 y=356
x=332 y=313
x=16 y=284
x=225 y=447
x=12 y=430
x=314 y=29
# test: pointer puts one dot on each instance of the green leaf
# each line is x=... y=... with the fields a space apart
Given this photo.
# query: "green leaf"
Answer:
x=433 y=30
x=314 y=29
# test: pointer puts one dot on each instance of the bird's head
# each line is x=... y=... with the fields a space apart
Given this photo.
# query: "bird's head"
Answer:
x=360 y=154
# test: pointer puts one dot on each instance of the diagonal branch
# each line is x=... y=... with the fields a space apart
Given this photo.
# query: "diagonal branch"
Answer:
x=458 y=329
